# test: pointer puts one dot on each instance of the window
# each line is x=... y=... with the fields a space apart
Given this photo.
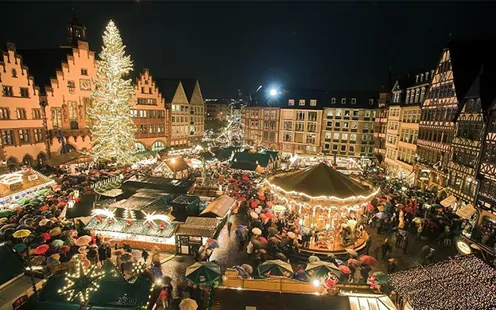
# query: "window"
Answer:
x=367 y=113
x=346 y=124
x=344 y=136
x=161 y=128
x=23 y=136
x=336 y=136
x=56 y=117
x=338 y=112
x=301 y=102
x=300 y=126
x=71 y=84
x=288 y=125
x=139 y=147
x=286 y=136
x=134 y=113
x=72 y=105
x=38 y=135
x=352 y=148
x=311 y=138
x=311 y=127
x=7 y=137
x=143 y=128
x=24 y=92
x=312 y=116
x=36 y=113
x=329 y=124
x=355 y=113
x=300 y=116
x=353 y=137
x=330 y=113
x=337 y=124
x=14 y=73
x=20 y=113
x=4 y=113
x=84 y=71
x=343 y=100
x=7 y=91
x=343 y=148
x=313 y=102
x=291 y=102
x=353 y=100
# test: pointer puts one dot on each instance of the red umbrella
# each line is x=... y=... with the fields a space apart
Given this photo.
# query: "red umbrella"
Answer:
x=41 y=249
x=44 y=208
x=270 y=204
x=253 y=204
x=64 y=249
x=261 y=197
x=246 y=178
x=269 y=215
x=242 y=198
x=369 y=260
x=344 y=269
x=370 y=207
x=409 y=209
x=263 y=240
x=46 y=237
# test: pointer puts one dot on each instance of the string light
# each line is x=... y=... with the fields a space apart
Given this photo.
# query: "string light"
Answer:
x=138 y=268
x=110 y=214
x=150 y=218
x=112 y=127
x=81 y=283
x=464 y=282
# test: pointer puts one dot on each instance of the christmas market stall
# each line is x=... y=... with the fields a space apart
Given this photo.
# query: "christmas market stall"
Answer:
x=194 y=232
x=252 y=160
x=186 y=205
x=461 y=283
x=327 y=202
x=20 y=185
x=142 y=220
x=171 y=186
x=175 y=168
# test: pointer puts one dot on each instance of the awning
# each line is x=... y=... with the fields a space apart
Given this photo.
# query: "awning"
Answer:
x=448 y=201
x=466 y=212
x=66 y=158
x=219 y=207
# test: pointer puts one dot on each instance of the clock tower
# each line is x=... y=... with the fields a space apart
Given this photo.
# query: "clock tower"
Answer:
x=76 y=31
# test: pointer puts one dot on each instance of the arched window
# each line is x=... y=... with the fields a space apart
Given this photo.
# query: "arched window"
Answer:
x=27 y=160
x=12 y=164
x=41 y=159
x=157 y=146
x=139 y=147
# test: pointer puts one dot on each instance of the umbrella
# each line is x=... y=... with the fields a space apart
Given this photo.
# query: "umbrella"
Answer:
x=188 y=304
x=370 y=207
x=344 y=269
x=21 y=233
x=52 y=261
x=321 y=269
x=261 y=197
x=203 y=273
x=6 y=213
x=57 y=243
x=46 y=237
x=83 y=240
x=253 y=204
x=253 y=215
x=55 y=232
x=248 y=269
x=369 y=260
x=352 y=224
x=353 y=262
x=269 y=204
x=241 y=198
x=417 y=220
x=313 y=259
x=270 y=216
x=3 y=220
x=263 y=240
x=212 y=243
x=258 y=210
x=381 y=215
x=291 y=235
x=55 y=256
x=380 y=277
x=275 y=268
x=43 y=222
x=41 y=249
x=64 y=249
x=20 y=247
x=352 y=252
x=256 y=231
x=300 y=275
x=272 y=230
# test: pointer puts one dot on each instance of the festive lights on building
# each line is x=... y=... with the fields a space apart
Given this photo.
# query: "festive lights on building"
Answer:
x=113 y=128
x=81 y=283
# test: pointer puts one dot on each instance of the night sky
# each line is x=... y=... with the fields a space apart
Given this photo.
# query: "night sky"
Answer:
x=230 y=46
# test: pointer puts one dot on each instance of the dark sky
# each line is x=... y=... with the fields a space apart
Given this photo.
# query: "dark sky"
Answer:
x=231 y=46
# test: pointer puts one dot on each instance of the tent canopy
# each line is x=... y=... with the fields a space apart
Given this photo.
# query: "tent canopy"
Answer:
x=320 y=180
x=176 y=164
x=67 y=158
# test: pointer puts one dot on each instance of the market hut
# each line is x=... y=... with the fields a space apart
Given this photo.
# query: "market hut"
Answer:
x=195 y=232
x=219 y=208
x=176 y=168
x=324 y=199
x=254 y=161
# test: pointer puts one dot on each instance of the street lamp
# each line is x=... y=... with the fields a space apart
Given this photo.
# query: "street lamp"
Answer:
x=273 y=92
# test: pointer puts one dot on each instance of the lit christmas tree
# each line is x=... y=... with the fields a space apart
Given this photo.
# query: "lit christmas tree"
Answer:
x=112 y=126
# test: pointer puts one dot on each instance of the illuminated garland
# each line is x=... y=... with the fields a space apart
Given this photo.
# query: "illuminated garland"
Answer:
x=112 y=127
x=81 y=283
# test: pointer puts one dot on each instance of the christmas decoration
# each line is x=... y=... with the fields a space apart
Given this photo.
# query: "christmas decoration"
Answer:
x=81 y=283
x=112 y=126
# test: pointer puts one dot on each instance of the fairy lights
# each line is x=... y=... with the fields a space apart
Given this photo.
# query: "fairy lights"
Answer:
x=150 y=218
x=112 y=127
x=109 y=214
x=464 y=282
x=81 y=283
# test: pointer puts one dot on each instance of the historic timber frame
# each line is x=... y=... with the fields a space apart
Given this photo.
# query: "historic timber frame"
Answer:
x=487 y=192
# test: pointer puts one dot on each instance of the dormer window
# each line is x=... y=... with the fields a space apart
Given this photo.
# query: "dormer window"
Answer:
x=14 y=73
x=353 y=100
x=343 y=100
x=417 y=79
x=313 y=102
x=333 y=100
x=371 y=101
x=421 y=77
x=301 y=102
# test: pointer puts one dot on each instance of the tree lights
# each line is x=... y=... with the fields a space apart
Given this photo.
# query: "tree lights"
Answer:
x=112 y=126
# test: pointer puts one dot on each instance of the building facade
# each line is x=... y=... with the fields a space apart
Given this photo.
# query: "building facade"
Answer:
x=261 y=125
x=380 y=124
x=486 y=197
x=436 y=127
x=22 y=127
x=149 y=114
x=217 y=110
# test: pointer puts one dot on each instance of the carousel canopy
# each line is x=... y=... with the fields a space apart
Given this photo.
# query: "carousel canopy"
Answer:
x=320 y=180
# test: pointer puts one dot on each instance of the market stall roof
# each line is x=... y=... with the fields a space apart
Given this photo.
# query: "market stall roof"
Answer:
x=12 y=260
x=247 y=160
x=204 y=191
x=219 y=207
x=21 y=181
x=179 y=164
x=449 y=201
x=165 y=184
x=144 y=200
x=319 y=180
x=66 y=158
x=466 y=212
x=464 y=282
x=198 y=226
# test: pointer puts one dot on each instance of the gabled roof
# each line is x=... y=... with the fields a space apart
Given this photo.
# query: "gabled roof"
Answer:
x=43 y=64
x=320 y=180
x=168 y=87
x=219 y=207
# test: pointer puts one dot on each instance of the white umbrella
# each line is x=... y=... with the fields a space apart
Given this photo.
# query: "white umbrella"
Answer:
x=291 y=235
x=188 y=304
x=256 y=231
x=253 y=215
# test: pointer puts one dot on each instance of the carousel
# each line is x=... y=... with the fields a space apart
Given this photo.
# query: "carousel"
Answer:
x=325 y=204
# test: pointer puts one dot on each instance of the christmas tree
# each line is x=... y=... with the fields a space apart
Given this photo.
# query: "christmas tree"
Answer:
x=112 y=127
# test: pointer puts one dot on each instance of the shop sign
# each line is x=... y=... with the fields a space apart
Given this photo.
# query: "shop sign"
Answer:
x=463 y=247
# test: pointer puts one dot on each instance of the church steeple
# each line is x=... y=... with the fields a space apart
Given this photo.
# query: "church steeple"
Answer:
x=76 y=31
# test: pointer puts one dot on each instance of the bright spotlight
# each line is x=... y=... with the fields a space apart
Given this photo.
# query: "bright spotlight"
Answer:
x=273 y=92
x=316 y=283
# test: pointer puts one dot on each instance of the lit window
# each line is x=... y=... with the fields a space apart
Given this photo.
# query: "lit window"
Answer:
x=291 y=102
x=343 y=100
x=313 y=102
x=333 y=100
x=301 y=102
x=353 y=100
